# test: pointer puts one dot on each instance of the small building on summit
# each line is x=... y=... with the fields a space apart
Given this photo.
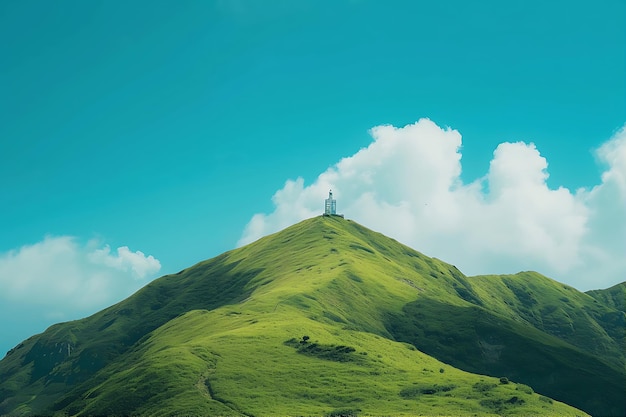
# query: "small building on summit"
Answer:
x=330 y=206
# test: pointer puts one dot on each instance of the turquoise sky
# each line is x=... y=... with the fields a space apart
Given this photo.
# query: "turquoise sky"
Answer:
x=164 y=126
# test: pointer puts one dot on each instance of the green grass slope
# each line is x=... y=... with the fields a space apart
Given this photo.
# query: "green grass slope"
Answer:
x=529 y=328
x=614 y=297
x=558 y=310
x=473 y=339
x=231 y=361
x=38 y=370
x=225 y=337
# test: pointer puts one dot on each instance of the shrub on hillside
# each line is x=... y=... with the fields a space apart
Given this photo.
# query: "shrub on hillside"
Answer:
x=415 y=391
x=484 y=386
x=524 y=388
x=343 y=413
x=545 y=399
x=337 y=353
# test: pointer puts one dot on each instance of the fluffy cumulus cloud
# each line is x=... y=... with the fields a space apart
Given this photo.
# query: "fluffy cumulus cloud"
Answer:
x=134 y=262
x=407 y=184
x=60 y=277
x=604 y=246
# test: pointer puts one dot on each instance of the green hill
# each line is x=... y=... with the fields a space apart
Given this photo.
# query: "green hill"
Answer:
x=613 y=297
x=327 y=317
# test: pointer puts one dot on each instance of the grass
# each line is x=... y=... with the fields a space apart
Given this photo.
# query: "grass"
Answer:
x=252 y=371
x=224 y=337
x=614 y=296
x=471 y=338
x=558 y=310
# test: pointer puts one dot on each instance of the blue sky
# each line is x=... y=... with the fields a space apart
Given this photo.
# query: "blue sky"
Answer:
x=137 y=138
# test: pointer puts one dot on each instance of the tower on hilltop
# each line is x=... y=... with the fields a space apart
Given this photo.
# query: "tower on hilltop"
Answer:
x=330 y=206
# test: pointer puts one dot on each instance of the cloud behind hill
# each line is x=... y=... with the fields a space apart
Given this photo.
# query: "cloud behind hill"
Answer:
x=407 y=184
x=61 y=277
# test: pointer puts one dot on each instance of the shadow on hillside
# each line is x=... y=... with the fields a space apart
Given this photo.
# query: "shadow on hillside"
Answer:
x=99 y=340
x=472 y=339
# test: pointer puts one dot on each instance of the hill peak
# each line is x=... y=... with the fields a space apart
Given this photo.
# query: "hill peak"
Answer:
x=324 y=315
x=330 y=232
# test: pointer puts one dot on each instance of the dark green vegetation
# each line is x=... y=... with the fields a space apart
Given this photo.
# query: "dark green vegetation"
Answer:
x=614 y=296
x=329 y=318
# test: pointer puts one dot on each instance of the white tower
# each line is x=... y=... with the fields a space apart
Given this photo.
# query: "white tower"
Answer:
x=330 y=206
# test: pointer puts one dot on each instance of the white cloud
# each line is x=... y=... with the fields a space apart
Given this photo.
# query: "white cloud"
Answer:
x=63 y=278
x=407 y=185
x=604 y=254
x=125 y=260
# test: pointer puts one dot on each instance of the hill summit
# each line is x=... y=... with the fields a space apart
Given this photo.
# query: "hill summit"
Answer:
x=328 y=318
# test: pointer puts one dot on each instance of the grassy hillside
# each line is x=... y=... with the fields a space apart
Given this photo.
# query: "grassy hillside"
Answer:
x=232 y=362
x=472 y=339
x=226 y=337
x=558 y=310
x=614 y=297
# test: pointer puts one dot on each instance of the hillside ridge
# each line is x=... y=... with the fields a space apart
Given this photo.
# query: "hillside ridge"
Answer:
x=227 y=337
